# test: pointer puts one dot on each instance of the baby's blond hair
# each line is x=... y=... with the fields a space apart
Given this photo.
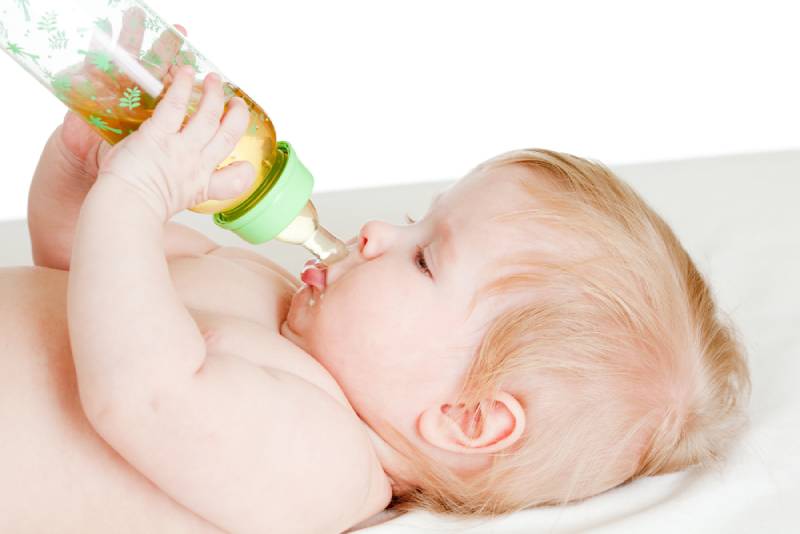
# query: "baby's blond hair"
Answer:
x=620 y=358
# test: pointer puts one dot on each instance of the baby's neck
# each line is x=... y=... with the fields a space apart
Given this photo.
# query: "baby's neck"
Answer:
x=394 y=464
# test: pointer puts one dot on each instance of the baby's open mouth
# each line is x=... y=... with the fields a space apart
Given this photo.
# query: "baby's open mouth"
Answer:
x=315 y=274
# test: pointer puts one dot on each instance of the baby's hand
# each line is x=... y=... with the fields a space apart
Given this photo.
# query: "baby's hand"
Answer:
x=172 y=166
x=76 y=136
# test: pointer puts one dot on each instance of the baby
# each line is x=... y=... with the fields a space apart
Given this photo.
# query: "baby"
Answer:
x=539 y=337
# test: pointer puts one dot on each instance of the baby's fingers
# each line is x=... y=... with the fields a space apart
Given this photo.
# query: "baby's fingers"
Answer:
x=132 y=33
x=205 y=121
x=231 y=180
x=227 y=136
x=171 y=111
x=159 y=58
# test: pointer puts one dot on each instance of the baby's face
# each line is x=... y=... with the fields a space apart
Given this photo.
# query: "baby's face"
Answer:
x=397 y=338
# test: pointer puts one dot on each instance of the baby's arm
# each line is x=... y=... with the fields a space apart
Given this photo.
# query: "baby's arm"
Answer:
x=58 y=189
x=249 y=449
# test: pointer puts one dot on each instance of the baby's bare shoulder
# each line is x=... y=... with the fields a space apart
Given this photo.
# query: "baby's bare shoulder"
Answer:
x=322 y=429
x=345 y=462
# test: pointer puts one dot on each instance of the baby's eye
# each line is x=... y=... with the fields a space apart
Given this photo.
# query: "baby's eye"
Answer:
x=409 y=220
x=421 y=263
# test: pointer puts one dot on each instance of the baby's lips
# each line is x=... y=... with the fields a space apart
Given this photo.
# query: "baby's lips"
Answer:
x=314 y=276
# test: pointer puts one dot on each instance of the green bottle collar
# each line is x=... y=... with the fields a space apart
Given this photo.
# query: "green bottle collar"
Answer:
x=274 y=204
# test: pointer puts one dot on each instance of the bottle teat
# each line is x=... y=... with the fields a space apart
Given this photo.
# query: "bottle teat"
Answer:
x=325 y=246
x=305 y=230
x=281 y=208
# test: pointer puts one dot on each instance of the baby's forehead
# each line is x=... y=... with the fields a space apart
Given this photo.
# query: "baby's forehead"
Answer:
x=491 y=200
x=499 y=189
x=503 y=214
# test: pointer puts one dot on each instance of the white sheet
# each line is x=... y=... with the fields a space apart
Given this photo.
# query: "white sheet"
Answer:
x=739 y=218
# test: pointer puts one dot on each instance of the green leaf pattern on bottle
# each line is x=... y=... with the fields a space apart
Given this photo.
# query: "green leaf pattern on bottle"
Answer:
x=97 y=122
x=58 y=40
x=131 y=98
x=23 y=4
x=152 y=58
x=185 y=57
x=62 y=85
x=48 y=22
x=152 y=23
x=19 y=51
x=104 y=25
x=50 y=34
x=99 y=59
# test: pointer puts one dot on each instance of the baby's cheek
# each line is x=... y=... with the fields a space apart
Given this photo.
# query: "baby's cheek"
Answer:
x=344 y=330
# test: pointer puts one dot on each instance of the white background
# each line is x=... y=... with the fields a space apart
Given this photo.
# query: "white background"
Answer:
x=377 y=92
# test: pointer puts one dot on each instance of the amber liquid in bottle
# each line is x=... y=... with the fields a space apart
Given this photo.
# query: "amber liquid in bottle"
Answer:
x=98 y=101
x=100 y=104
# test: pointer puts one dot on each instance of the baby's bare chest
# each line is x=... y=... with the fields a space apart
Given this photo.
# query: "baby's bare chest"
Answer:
x=41 y=416
x=239 y=305
x=226 y=282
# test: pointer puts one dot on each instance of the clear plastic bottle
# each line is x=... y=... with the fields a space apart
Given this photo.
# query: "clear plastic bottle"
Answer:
x=109 y=61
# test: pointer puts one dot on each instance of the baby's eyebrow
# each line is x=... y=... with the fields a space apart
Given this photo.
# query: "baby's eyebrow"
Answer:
x=444 y=244
x=434 y=200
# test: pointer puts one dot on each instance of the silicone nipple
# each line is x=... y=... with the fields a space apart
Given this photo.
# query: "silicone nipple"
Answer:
x=305 y=230
x=324 y=245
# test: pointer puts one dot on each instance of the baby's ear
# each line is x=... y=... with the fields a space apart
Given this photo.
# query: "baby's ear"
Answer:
x=491 y=427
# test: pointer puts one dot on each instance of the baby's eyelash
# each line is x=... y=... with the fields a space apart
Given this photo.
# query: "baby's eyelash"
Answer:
x=420 y=262
x=419 y=257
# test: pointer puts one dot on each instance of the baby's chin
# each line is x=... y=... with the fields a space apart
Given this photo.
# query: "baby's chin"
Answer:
x=297 y=318
x=288 y=332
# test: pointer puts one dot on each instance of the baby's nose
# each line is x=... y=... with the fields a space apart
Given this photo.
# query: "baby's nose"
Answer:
x=358 y=242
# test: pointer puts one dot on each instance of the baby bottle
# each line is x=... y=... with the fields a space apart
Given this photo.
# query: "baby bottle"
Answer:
x=109 y=61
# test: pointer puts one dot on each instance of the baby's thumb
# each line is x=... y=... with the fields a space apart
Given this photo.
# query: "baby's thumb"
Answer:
x=102 y=150
x=78 y=137
x=231 y=180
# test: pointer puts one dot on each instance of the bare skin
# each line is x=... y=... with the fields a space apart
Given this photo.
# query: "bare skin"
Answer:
x=54 y=459
x=233 y=416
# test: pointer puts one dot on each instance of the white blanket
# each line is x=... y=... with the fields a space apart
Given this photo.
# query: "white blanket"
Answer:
x=739 y=218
